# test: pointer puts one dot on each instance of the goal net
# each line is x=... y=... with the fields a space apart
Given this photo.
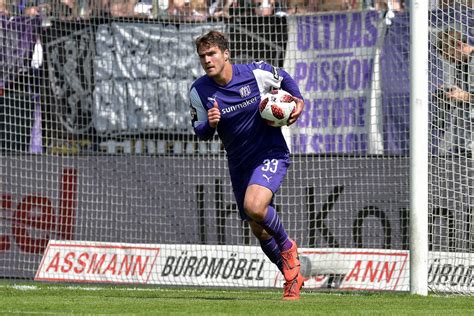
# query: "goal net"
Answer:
x=103 y=179
x=451 y=227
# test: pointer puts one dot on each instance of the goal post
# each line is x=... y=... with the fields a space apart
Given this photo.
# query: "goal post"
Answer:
x=419 y=147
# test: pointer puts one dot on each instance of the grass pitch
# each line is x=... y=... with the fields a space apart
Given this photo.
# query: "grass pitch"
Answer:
x=55 y=299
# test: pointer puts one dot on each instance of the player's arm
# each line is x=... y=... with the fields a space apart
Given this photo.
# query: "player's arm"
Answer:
x=200 y=117
x=269 y=77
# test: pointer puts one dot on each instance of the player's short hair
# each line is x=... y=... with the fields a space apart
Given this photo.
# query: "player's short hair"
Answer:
x=212 y=38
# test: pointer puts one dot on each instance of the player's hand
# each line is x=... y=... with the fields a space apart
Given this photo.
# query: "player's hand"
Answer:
x=214 y=115
x=297 y=112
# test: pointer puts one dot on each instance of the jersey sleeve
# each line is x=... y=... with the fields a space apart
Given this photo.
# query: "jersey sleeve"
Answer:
x=289 y=85
x=269 y=77
x=199 y=119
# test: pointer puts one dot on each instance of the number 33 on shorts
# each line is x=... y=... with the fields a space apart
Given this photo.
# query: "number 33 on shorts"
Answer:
x=270 y=173
x=270 y=165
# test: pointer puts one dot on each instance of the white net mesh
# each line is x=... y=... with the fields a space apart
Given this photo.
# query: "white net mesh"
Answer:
x=99 y=157
x=450 y=223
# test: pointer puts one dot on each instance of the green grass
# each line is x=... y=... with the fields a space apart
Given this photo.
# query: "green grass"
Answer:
x=57 y=299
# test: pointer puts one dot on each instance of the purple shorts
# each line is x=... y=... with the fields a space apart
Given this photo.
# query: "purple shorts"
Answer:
x=270 y=173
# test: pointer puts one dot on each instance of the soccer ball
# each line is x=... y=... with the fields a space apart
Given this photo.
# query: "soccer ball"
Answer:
x=276 y=107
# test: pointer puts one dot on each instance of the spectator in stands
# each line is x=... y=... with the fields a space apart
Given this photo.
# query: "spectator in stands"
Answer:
x=122 y=8
x=335 y=5
x=65 y=9
x=144 y=8
x=384 y=5
x=299 y=6
x=455 y=101
x=221 y=8
x=188 y=10
x=446 y=4
x=264 y=7
x=84 y=9
x=4 y=8
x=41 y=9
x=305 y=6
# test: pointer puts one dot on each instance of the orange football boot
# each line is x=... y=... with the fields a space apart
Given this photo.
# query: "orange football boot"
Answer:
x=291 y=290
x=291 y=263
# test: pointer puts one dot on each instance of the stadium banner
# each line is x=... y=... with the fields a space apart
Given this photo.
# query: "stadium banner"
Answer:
x=208 y=265
x=334 y=58
x=109 y=75
x=218 y=265
x=98 y=262
x=241 y=266
x=19 y=80
x=18 y=37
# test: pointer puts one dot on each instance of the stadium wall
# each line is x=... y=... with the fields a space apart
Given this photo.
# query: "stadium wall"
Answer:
x=158 y=200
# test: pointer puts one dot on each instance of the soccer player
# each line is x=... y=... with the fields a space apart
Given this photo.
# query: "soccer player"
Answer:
x=226 y=100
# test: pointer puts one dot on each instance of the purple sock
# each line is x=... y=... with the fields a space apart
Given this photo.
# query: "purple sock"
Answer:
x=274 y=227
x=271 y=249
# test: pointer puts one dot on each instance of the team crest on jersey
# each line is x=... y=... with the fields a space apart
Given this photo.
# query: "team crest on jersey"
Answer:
x=245 y=91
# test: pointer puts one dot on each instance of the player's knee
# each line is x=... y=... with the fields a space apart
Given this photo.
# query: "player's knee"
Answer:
x=255 y=209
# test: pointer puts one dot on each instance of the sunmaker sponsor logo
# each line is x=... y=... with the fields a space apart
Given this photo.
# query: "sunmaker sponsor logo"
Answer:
x=239 y=106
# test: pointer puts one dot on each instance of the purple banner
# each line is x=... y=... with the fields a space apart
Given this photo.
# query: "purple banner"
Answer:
x=18 y=36
x=333 y=60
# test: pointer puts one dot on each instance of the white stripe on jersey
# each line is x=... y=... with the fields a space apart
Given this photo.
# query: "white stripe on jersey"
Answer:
x=199 y=107
x=266 y=80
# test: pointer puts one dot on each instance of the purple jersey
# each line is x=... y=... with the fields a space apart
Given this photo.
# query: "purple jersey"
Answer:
x=246 y=137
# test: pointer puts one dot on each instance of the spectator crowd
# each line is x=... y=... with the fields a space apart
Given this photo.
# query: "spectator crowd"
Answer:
x=193 y=10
